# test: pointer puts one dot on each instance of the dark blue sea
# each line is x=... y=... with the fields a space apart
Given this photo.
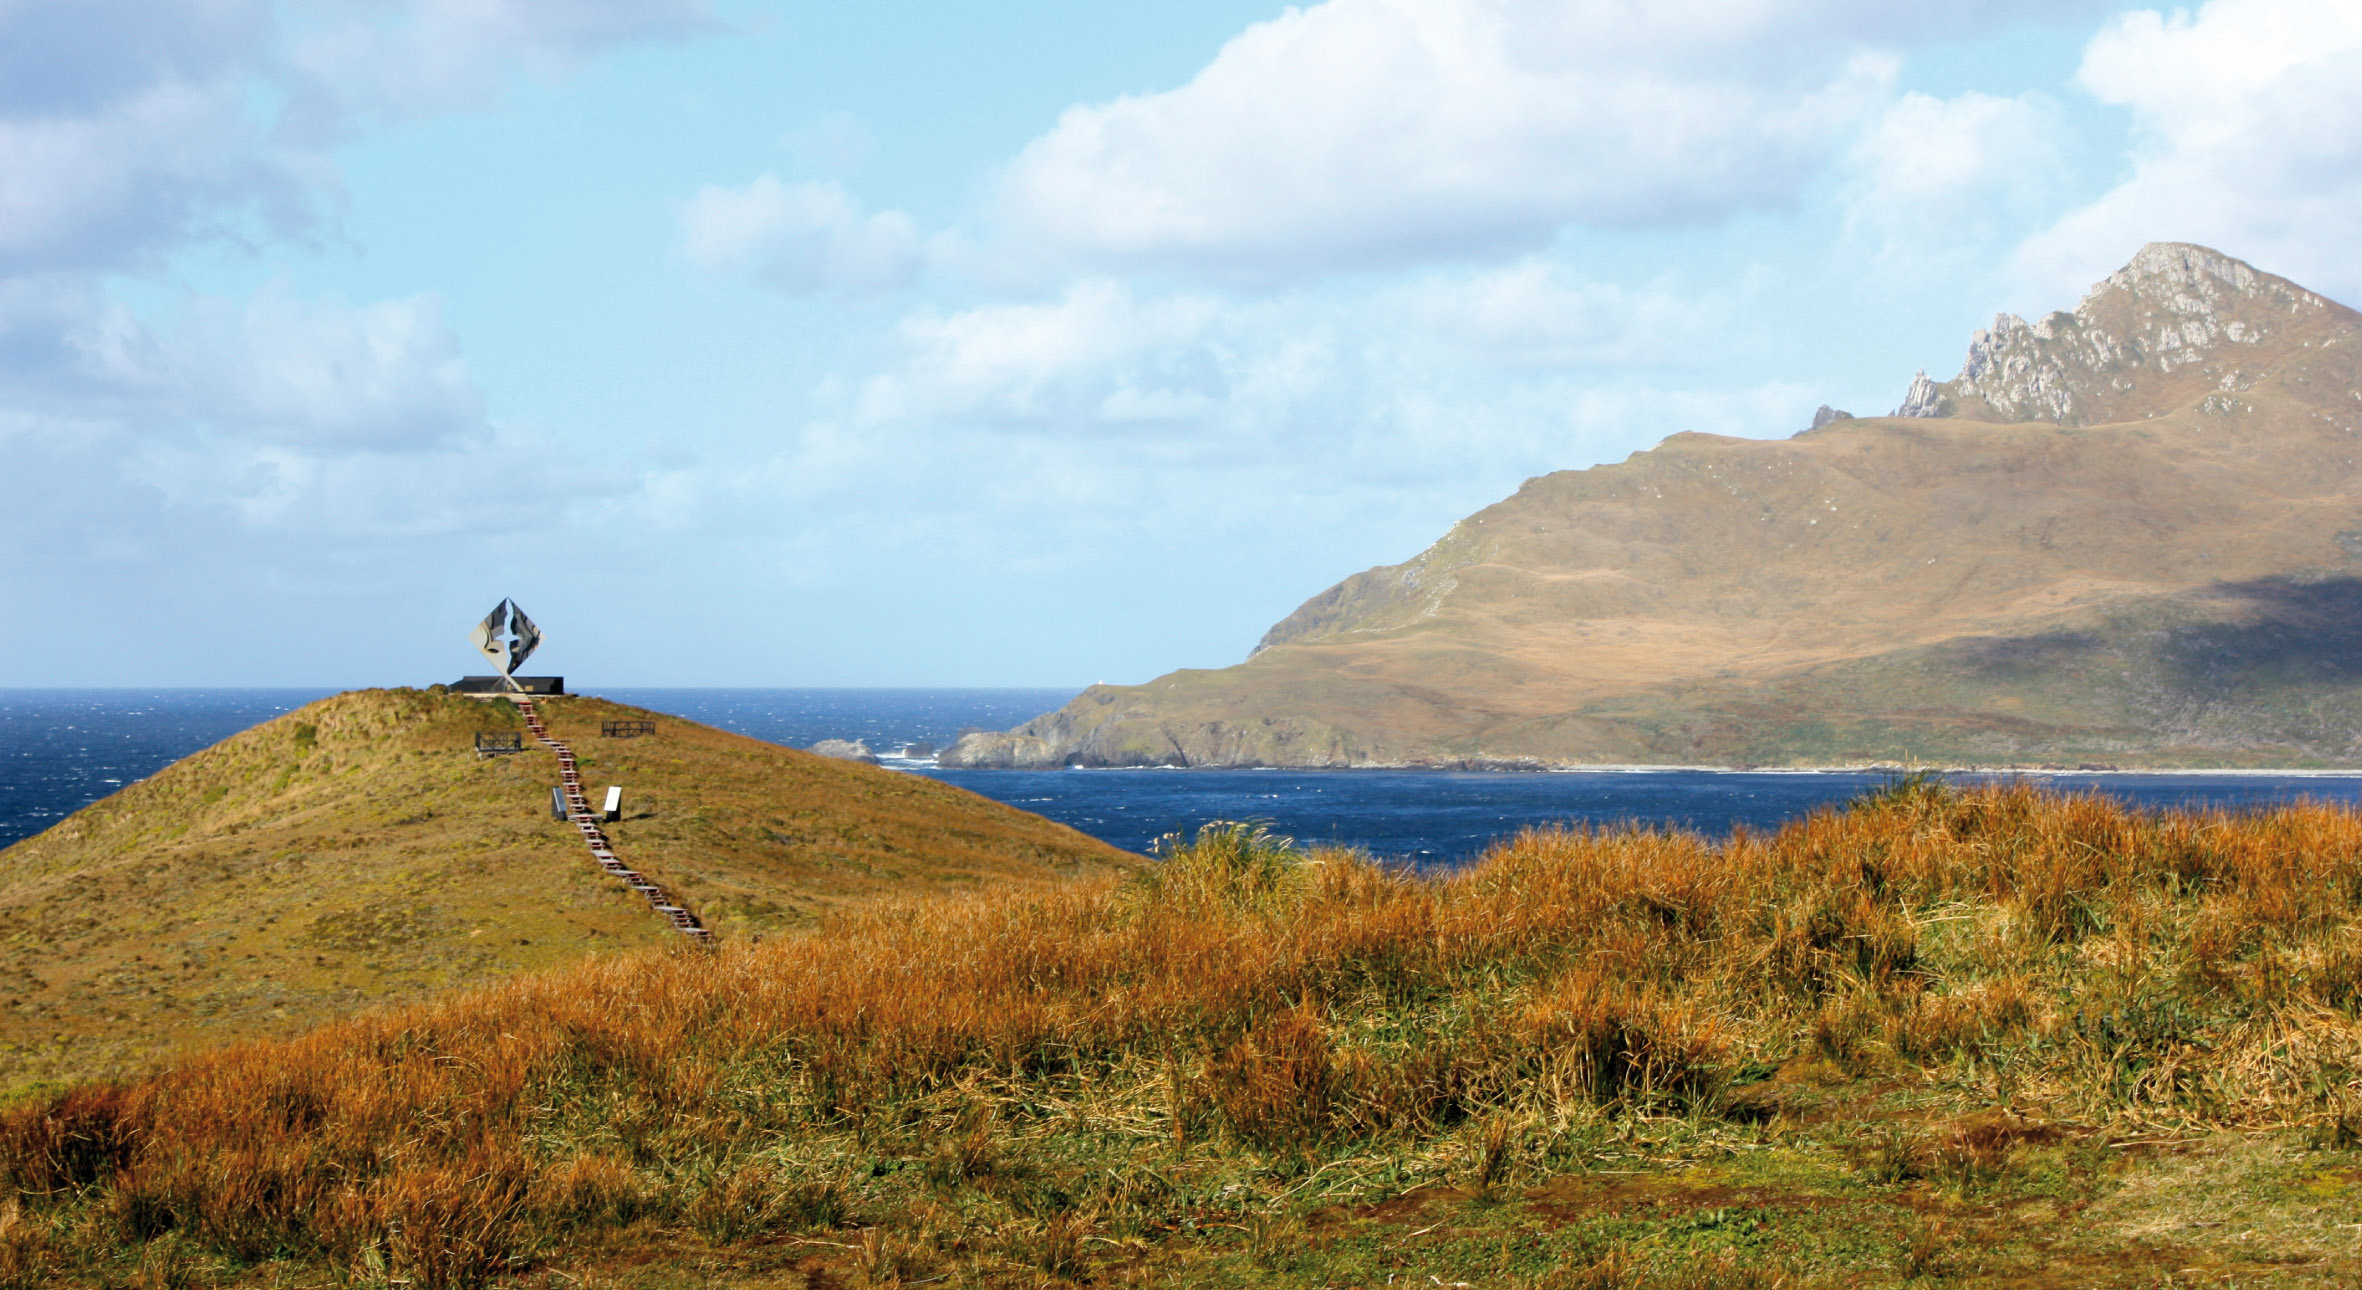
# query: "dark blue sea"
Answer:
x=62 y=749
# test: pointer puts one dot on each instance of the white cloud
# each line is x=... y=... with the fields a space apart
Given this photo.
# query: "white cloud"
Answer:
x=1097 y=355
x=278 y=413
x=1374 y=132
x=114 y=188
x=1267 y=374
x=300 y=444
x=63 y=57
x=108 y=172
x=798 y=237
x=315 y=376
x=132 y=129
x=2249 y=117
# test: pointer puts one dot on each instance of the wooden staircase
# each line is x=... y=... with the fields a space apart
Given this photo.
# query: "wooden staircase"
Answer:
x=578 y=813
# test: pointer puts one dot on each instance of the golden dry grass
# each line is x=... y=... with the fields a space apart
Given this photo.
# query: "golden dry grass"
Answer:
x=1088 y=1082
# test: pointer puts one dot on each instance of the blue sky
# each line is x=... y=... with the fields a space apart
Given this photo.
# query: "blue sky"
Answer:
x=927 y=344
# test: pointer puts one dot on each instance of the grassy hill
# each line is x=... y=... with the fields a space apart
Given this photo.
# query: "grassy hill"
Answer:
x=1989 y=1038
x=2131 y=534
x=357 y=852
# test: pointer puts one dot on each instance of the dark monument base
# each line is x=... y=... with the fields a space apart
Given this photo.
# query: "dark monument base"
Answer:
x=493 y=685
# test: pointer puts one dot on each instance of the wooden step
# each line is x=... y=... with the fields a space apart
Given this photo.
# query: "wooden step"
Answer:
x=602 y=851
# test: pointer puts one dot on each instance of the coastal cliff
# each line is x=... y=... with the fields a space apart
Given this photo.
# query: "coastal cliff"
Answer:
x=2126 y=534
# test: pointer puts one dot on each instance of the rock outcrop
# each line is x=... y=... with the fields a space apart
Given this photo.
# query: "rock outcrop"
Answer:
x=2128 y=533
x=2177 y=323
x=844 y=750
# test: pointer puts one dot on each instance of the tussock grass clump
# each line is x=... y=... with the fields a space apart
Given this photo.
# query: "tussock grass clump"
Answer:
x=1122 y=1072
x=1226 y=865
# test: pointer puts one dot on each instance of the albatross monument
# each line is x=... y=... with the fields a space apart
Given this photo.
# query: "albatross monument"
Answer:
x=507 y=637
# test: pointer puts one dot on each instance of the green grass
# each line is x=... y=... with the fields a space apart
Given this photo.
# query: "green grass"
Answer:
x=357 y=853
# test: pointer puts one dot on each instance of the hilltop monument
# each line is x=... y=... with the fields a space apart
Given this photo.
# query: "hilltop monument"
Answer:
x=507 y=637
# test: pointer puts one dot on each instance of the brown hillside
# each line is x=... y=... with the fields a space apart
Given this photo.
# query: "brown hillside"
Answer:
x=2127 y=534
x=1991 y=1038
x=357 y=852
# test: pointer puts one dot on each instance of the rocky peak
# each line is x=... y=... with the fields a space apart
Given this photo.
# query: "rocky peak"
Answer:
x=2194 y=280
x=2174 y=307
x=1923 y=399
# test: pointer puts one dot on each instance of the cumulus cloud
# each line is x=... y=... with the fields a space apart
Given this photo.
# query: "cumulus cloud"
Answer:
x=314 y=376
x=124 y=130
x=1097 y=355
x=308 y=374
x=798 y=237
x=133 y=129
x=129 y=127
x=59 y=58
x=2246 y=113
x=323 y=427
x=1438 y=389
x=280 y=441
x=1106 y=354
x=116 y=186
x=1372 y=132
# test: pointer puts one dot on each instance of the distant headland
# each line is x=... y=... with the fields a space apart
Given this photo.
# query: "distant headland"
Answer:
x=2129 y=535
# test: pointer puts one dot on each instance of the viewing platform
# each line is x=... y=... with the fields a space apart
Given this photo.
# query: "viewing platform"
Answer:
x=493 y=687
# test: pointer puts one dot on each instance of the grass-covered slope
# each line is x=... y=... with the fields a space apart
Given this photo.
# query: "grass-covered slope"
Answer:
x=357 y=852
x=1988 y=1039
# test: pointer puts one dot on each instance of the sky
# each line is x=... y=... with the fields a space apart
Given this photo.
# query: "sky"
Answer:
x=918 y=343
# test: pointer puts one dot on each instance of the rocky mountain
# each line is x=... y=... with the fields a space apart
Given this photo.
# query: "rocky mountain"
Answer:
x=2130 y=534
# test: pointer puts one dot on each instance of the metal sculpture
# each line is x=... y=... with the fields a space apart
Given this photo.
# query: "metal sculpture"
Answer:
x=507 y=637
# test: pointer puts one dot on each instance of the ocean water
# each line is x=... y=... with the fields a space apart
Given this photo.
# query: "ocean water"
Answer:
x=885 y=719
x=62 y=749
x=1437 y=818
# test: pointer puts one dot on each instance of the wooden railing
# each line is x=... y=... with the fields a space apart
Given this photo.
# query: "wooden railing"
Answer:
x=578 y=813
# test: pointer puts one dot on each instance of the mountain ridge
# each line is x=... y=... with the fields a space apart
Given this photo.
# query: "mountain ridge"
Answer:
x=2163 y=310
x=2168 y=469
